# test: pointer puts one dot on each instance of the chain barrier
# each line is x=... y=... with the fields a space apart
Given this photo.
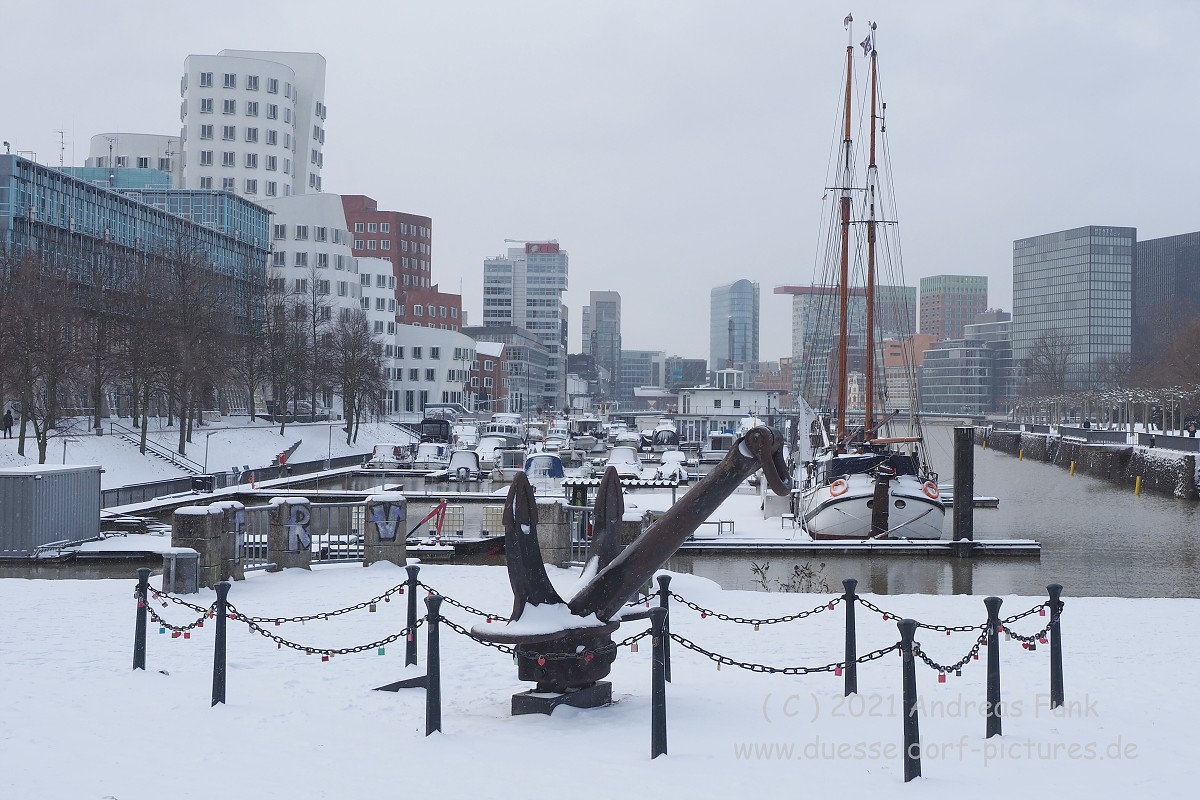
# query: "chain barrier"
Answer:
x=253 y=625
x=956 y=667
x=947 y=629
x=541 y=658
x=463 y=606
x=165 y=596
x=1037 y=638
x=835 y=667
x=1024 y=614
x=386 y=597
x=706 y=612
x=205 y=613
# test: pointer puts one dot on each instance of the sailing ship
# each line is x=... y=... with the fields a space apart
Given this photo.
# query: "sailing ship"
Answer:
x=864 y=481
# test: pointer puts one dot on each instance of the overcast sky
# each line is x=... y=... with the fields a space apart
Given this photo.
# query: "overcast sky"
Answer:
x=671 y=146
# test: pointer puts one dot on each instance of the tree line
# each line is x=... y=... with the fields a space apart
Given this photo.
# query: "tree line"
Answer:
x=168 y=335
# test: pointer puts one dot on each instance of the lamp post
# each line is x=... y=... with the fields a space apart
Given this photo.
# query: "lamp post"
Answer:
x=207 y=436
x=329 y=445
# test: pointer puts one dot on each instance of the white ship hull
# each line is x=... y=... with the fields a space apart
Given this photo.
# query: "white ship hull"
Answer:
x=842 y=509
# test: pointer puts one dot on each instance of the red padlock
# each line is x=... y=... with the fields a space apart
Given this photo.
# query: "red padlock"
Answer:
x=837 y=671
x=941 y=677
x=541 y=661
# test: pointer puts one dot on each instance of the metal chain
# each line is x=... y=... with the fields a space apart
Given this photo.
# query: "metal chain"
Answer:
x=1024 y=614
x=308 y=650
x=1035 y=638
x=542 y=658
x=705 y=612
x=383 y=598
x=164 y=596
x=205 y=613
x=956 y=666
x=463 y=606
x=752 y=667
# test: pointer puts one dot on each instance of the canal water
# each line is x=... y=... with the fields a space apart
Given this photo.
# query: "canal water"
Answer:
x=1097 y=540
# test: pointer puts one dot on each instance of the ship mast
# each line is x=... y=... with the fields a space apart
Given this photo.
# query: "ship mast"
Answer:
x=868 y=418
x=844 y=281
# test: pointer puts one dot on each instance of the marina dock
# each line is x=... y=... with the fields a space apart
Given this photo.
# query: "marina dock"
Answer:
x=993 y=547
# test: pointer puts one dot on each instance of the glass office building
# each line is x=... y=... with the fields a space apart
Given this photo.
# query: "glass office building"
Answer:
x=1166 y=291
x=733 y=326
x=1075 y=285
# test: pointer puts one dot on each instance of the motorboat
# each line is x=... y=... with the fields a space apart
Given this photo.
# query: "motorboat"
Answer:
x=665 y=436
x=672 y=466
x=505 y=424
x=488 y=445
x=718 y=446
x=431 y=456
x=625 y=459
x=545 y=472
x=508 y=462
x=390 y=455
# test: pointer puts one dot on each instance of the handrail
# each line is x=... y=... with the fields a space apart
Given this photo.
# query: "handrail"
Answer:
x=170 y=455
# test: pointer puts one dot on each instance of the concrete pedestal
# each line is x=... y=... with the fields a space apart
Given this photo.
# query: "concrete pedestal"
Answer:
x=289 y=541
x=181 y=571
x=199 y=528
x=386 y=527
x=233 y=538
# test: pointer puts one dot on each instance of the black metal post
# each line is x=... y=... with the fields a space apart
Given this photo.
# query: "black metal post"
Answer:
x=658 y=685
x=218 y=686
x=664 y=602
x=410 y=644
x=993 y=666
x=850 y=671
x=1056 y=675
x=912 y=732
x=139 y=630
x=433 y=669
x=964 y=488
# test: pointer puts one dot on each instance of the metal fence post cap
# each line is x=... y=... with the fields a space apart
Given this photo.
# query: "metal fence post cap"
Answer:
x=992 y=604
x=433 y=602
x=412 y=570
x=664 y=581
x=908 y=629
x=850 y=585
x=144 y=574
x=223 y=590
x=1055 y=591
x=658 y=616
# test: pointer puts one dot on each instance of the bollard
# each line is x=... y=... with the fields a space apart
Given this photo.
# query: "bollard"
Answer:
x=964 y=484
x=664 y=600
x=139 y=628
x=433 y=670
x=1072 y=471
x=658 y=684
x=1056 y=676
x=410 y=645
x=1137 y=486
x=993 y=666
x=912 y=732
x=851 y=668
x=218 y=684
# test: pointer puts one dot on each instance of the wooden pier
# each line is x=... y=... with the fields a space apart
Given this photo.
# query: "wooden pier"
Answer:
x=1024 y=548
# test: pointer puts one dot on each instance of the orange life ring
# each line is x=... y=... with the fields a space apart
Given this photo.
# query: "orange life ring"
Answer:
x=838 y=488
x=931 y=490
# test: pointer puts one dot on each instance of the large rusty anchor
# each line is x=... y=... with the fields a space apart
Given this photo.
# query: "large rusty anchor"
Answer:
x=563 y=658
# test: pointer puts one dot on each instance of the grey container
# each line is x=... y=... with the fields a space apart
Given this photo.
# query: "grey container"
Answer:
x=44 y=504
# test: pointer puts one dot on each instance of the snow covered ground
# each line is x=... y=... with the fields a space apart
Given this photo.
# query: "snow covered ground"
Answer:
x=235 y=442
x=79 y=723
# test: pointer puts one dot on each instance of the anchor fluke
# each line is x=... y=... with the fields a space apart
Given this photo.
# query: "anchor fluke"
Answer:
x=526 y=570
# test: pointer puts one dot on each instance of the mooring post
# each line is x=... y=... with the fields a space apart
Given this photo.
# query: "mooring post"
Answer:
x=433 y=669
x=664 y=602
x=964 y=490
x=139 y=628
x=410 y=644
x=218 y=684
x=851 y=667
x=1056 y=673
x=993 y=666
x=658 y=686
x=912 y=732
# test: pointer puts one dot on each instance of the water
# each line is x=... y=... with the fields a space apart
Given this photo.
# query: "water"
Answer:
x=1097 y=540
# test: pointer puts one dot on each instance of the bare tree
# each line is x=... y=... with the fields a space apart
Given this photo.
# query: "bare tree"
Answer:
x=356 y=360
x=311 y=298
x=1048 y=364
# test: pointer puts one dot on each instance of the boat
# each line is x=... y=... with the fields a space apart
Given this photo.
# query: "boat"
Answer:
x=463 y=467
x=587 y=433
x=489 y=445
x=672 y=466
x=665 y=436
x=864 y=481
x=431 y=456
x=390 y=455
x=545 y=473
x=505 y=424
x=717 y=447
x=625 y=459
x=508 y=462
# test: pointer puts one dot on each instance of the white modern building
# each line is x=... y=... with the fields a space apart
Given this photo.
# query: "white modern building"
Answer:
x=253 y=122
x=431 y=365
x=137 y=151
x=525 y=290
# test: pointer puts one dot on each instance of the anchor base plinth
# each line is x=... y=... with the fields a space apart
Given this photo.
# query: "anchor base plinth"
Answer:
x=535 y=702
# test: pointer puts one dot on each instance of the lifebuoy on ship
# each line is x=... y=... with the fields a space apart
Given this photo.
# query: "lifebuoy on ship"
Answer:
x=931 y=490
x=839 y=487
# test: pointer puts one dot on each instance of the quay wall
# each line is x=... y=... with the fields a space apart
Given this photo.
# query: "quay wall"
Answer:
x=1163 y=472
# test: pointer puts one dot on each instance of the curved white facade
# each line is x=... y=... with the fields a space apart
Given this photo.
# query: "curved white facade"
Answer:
x=253 y=122
x=136 y=151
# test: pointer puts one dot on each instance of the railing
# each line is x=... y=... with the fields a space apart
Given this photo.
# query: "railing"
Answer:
x=178 y=460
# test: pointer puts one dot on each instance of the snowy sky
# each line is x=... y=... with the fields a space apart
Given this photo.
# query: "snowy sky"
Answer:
x=670 y=146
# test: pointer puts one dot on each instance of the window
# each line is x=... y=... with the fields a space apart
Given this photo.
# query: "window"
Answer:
x=323 y=288
x=271 y=163
x=272 y=137
x=391 y=281
x=442 y=311
x=228 y=106
x=228 y=159
x=419 y=310
x=414 y=374
x=322 y=260
x=206 y=158
x=489 y=365
x=385 y=227
x=272 y=189
x=381 y=281
x=487 y=383
x=380 y=304
x=359 y=244
x=205 y=80
x=372 y=227
x=316 y=133
x=430 y=375
x=301 y=259
x=312 y=156
x=279 y=258
x=341 y=287
x=365 y=302
x=227 y=184
x=432 y=311
x=416 y=352
x=287 y=115
x=716 y=403
x=279 y=232
x=272 y=111
x=435 y=353
x=252 y=83
x=206 y=182
x=453 y=313
x=251 y=186
x=737 y=403
x=251 y=108
x=302 y=232
x=385 y=244
x=287 y=166
x=272 y=86
x=206 y=131
x=251 y=160
x=371 y=244
x=359 y=227
x=164 y=164
x=391 y=328
x=230 y=80
x=206 y=105
x=321 y=234
x=365 y=280
x=251 y=134
x=228 y=132
x=378 y=326
x=392 y=305
x=301 y=285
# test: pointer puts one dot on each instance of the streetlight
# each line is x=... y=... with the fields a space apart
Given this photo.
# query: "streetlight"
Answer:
x=329 y=445
x=206 y=438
